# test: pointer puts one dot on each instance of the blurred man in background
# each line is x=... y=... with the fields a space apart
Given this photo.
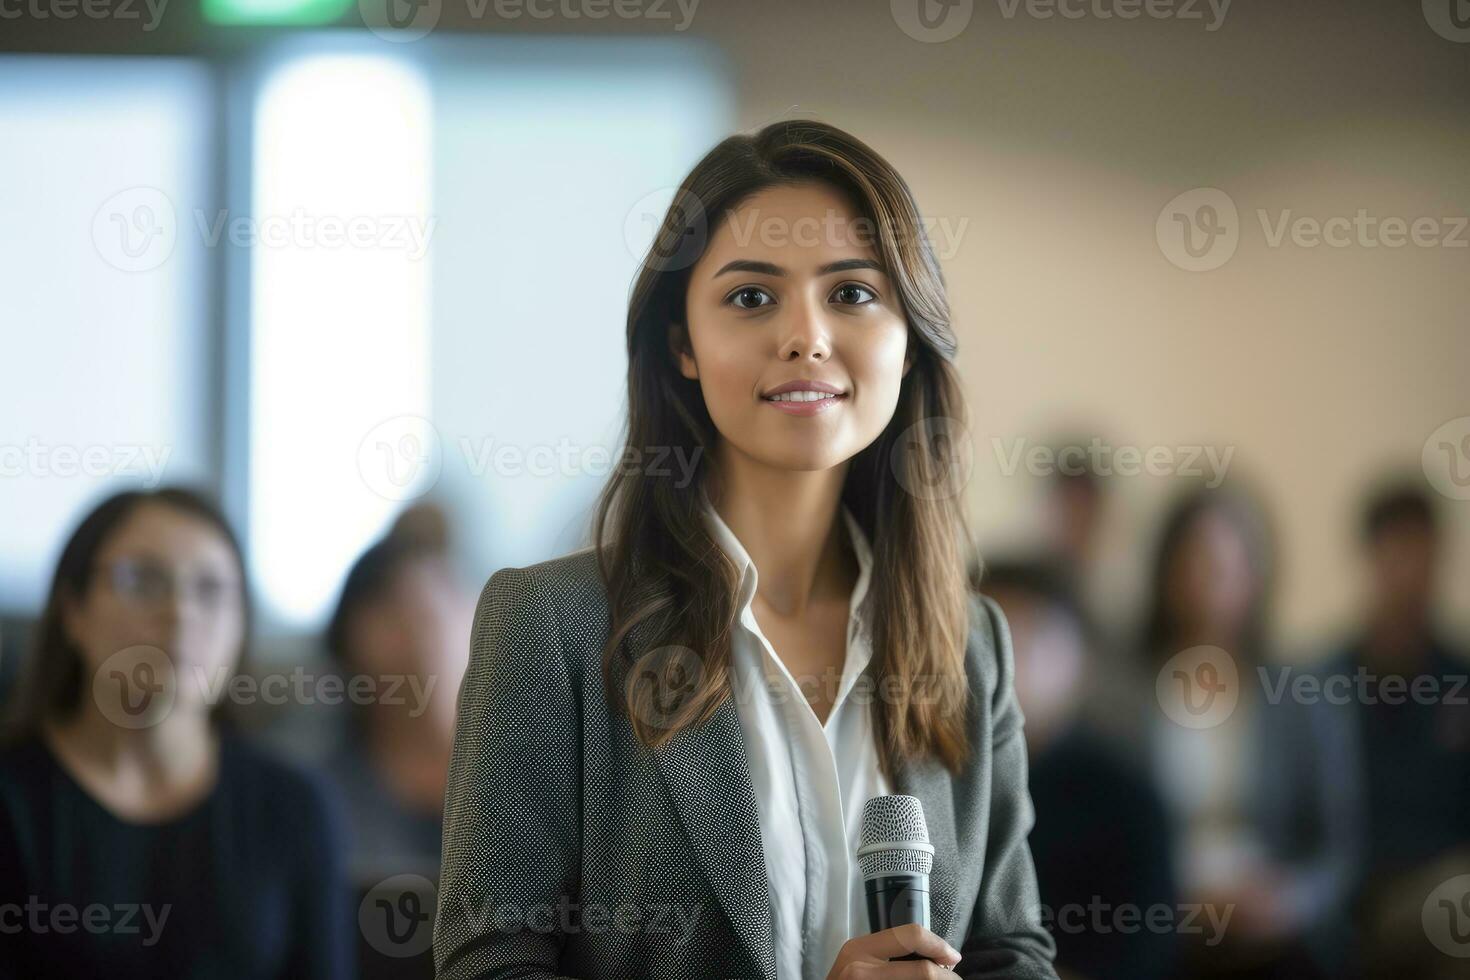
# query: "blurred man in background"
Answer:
x=1408 y=698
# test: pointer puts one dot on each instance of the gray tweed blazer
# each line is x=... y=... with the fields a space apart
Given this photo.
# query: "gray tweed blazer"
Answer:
x=570 y=850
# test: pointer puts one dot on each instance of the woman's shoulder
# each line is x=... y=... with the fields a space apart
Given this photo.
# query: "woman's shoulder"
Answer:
x=566 y=580
x=988 y=653
x=563 y=598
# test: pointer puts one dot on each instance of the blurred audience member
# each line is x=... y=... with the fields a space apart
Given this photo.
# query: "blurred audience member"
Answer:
x=1408 y=685
x=1253 y=778
x=140 y=835
x=1073 y=519
x=403 y=622
x=1101 y=839
x=1074 y=506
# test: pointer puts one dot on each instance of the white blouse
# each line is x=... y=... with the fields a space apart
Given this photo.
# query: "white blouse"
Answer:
x=811 y=779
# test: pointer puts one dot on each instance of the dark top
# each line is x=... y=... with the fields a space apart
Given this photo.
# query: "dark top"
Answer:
x=384 y=836
x=248 y=884
x=1415 y=758
x=1101 y=846
x=392 y=851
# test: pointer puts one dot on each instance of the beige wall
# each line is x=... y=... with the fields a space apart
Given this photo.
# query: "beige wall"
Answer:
x=1054 y=143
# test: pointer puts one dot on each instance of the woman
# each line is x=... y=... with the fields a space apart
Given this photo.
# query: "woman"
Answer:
x=139 y=836
x=642 y=783
x=1258 y=784
x=401 y=613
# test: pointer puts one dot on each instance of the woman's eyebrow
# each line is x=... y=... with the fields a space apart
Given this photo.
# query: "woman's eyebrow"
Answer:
x=770 y=269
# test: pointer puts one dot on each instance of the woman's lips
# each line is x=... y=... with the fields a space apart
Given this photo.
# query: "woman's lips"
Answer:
x=807 y=408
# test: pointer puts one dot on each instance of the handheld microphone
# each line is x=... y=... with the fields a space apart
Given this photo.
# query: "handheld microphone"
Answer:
x=895 y=857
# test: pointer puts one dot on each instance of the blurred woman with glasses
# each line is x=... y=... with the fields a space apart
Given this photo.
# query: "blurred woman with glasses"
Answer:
x=140 y=836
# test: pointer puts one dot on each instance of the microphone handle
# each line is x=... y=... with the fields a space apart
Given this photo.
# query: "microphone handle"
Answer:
x=897 y=900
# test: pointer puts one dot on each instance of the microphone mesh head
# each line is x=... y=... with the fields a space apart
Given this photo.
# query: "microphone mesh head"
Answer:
x=895 y=838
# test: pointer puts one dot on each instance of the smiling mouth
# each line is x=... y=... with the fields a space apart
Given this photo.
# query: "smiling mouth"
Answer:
x=805 y=404
x=803 y=396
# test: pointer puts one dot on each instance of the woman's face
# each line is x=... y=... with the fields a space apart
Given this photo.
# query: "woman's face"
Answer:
x=790 y=288
x=164 y=580
x=418 y=628
x=1213 y=581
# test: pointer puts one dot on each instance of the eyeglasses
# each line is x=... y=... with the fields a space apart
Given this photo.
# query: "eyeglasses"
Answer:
x=147 y=582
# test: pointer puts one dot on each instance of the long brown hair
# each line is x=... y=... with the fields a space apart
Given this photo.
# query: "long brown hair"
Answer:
x=657 y=558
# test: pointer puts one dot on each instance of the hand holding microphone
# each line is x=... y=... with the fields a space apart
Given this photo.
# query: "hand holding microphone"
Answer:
x=895 y=857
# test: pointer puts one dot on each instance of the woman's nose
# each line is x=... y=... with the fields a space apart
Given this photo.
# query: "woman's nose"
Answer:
x=807 y=332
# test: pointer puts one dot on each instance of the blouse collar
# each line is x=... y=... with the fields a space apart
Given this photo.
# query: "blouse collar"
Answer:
x=749 y=576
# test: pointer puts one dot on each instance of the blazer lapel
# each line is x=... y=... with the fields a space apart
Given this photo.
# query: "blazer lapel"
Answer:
x=705 y=770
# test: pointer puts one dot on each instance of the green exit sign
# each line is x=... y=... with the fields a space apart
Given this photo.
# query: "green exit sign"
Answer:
x=285 y=12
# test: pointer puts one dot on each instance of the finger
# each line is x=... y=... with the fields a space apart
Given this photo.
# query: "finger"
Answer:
x=911 y=938
x=909 y=970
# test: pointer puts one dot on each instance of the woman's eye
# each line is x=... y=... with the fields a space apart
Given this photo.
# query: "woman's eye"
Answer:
x=751 y=293
x=854 y=295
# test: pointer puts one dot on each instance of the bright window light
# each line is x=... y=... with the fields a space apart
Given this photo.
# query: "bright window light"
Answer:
x=103 y=294
x=339 y=366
